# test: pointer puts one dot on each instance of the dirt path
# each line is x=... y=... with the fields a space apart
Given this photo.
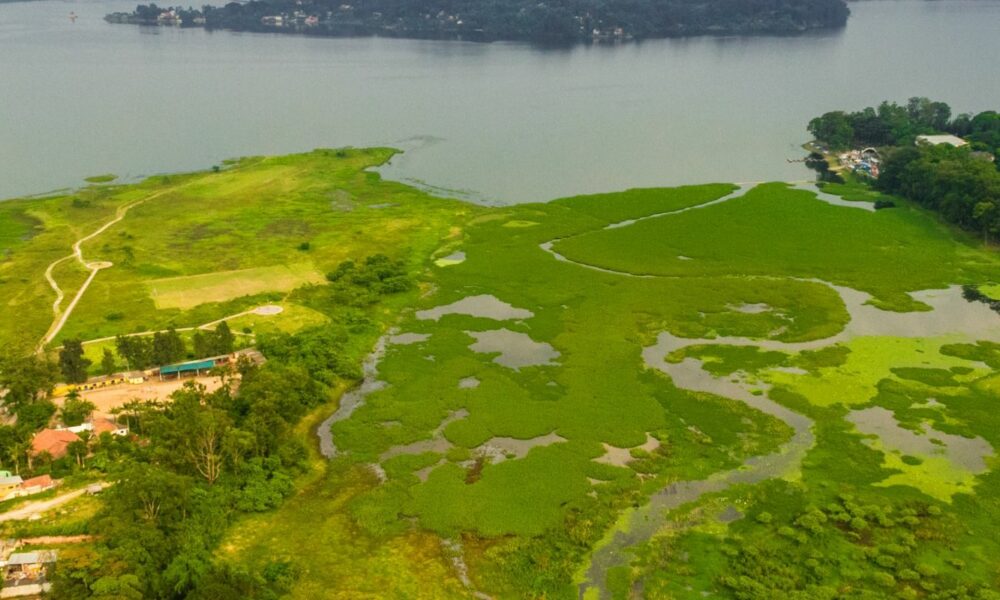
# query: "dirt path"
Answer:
x=46 y=540
x=60 y=317
x=39 y=506
x=263 y=310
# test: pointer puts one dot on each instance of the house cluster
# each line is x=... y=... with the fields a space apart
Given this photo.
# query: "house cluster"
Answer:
x=25 y=574
x=864 y=162
x=609 y=34
x=13 y=486
x=55 y=442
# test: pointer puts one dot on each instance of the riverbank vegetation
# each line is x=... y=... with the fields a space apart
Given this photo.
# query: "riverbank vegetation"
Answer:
x=962 y=184
x=572 y=21
x=828 y=429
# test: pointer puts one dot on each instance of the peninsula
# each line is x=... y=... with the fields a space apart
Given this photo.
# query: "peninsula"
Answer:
x=483 y=20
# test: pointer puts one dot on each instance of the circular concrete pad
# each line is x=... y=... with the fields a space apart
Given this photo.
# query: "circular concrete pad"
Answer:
x=268 y=309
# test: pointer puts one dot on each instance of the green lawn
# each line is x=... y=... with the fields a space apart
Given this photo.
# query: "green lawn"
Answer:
x=187 y=292
x=774 y=231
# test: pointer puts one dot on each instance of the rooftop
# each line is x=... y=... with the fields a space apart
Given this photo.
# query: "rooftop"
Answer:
x=196 y=365
x=936 y=140
x=53 y=441
x=32 y=558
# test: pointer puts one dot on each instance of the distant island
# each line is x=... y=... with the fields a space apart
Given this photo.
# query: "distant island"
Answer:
x=485 y=20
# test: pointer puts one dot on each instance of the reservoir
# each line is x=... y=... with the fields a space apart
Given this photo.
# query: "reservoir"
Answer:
x=497 y=123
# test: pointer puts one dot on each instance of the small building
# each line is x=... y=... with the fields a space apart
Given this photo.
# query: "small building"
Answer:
x=36 y=485
x=937 y=140
x=53 y=441
x=194 y=367
x=25 y=573
x=9 y=484
x=103 y=425
x=98 y=426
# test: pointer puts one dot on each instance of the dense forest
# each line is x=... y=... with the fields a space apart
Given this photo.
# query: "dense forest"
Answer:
x=559 y=21
x=960 y=183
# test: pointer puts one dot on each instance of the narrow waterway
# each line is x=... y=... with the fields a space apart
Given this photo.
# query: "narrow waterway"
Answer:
x=641 y=524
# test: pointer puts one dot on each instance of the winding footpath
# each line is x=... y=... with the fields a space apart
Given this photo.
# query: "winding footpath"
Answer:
x=61 y=316
x=265 y=310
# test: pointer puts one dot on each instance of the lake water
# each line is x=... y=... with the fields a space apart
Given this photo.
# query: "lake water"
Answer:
x=501 y=122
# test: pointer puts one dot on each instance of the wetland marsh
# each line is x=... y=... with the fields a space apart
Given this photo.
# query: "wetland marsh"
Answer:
x=659 y=393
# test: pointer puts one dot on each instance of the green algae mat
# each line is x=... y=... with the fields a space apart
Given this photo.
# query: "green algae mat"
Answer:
x=739 y=392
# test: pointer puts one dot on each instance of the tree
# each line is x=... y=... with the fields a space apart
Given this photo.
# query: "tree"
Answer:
x=79 y=450
x=135 y=350
x=834 y=129
x=32 y=417
x=202 y=344
x=75 y=409
x=984 y=214
x=154 y=494
x=167 y=348
x=138 y=413
x=125 y=587
x=224 y=339
x=9 y=447
x=72 y=362
x=192 y=431
x=108 y=363
x=27 y=378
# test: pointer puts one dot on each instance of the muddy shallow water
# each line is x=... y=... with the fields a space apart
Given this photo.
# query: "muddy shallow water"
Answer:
x=484 y=305
x=515 y=349
x=643 y=523
x=966 y=453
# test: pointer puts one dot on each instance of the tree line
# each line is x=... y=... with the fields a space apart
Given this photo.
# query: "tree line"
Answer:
x=892 y=124
x=566 y=20
x=143 y=352
x=962 y=188
x=962 y=184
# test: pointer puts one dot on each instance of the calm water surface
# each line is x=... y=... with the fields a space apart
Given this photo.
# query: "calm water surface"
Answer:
x=501 y=122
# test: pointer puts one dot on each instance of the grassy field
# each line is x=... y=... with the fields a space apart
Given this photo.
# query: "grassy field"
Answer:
x=200 y=230
x=188 y=292
x=773 y=230
x=496 y=465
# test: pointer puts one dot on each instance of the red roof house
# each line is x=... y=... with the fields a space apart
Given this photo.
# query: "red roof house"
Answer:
x=53 y=441
x=101 y=425
x=42 y=482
